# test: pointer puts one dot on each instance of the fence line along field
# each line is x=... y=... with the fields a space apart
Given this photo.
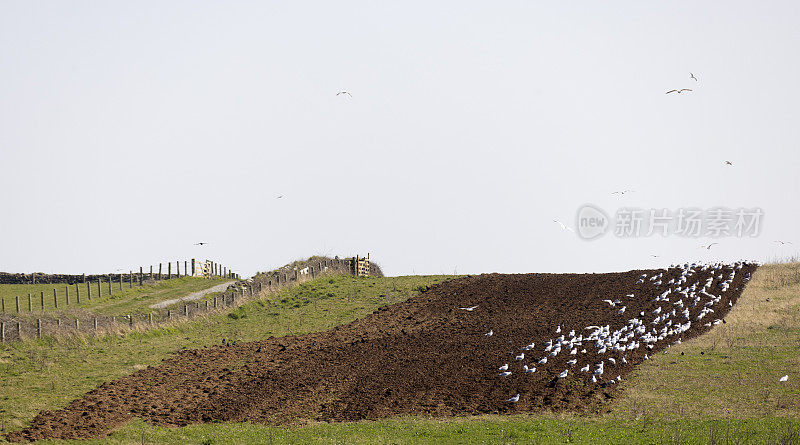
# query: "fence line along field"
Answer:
x=147 y=306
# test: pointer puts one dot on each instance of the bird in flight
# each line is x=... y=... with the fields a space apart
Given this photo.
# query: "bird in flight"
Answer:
x=621 y=192
x=279 y=197
x=783 y=242
x=728 y=163
x=344 y=92
x=200 y=244
x=679 y=91
x=708 y=247
x=563 y=226
x=691 y=76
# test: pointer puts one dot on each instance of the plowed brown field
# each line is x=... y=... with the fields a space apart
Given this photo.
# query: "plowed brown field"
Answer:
x=422 y=356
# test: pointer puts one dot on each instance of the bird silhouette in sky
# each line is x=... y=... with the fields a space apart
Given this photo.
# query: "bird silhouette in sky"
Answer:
x=200 y=244
x=344 y=92
x=679 y=91
x=691 y=76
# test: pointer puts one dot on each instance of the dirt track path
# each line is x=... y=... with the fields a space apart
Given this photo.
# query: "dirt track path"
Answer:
x=192 y=296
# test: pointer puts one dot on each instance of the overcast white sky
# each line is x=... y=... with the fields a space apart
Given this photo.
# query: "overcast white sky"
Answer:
x=131 y=130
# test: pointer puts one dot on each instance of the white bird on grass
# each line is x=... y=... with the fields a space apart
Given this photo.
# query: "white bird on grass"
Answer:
x=513 y=399
x=505 y=374
x=528 y=370
x=521 y=356
x=469 y=309
x=490 y=333
x=572 y=362
x=609 y=302
x=784 y=378
x=563 y=374
x=503 y=368
x=585 y=368
x=542 y=361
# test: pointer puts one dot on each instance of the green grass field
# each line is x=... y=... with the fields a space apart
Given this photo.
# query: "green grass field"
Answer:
x=728 y=394
x=120 y=302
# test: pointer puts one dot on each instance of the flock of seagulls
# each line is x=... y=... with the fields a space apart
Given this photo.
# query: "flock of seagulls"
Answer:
x=686 y=296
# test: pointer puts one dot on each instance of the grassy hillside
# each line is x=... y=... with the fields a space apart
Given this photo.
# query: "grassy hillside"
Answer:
x=48 y=373
x=723 y=389
x=120 y=302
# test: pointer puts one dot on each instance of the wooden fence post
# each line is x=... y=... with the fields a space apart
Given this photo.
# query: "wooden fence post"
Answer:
x=89 y=290
x=141 y=275
x=169 y=270
x=55 y=299
x=169 y=314
x=41 y=299
x=150 y=318
x=2 y=332
x=66 y=298
x=130 y=279
x=78 y=293
x=77 y=325
x=130 y=321
x=215 y=302
x=206 y=305
x=19 y=330
x=58 y=323
x=99 y=288
x=30 y=303
x=194 y=272
x=38 y=328
x=185 y=310
x=83 y=279
x=94 y=324
x=4 y=304
x=151 y=271
x=120 y=281
x=185 y=267
x=159 y=271
x=178 y=269
x=66 y=291
x=17 y=299
x=110 y=279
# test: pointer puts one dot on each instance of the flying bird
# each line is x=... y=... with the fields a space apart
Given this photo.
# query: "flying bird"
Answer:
x=708 y=247
x=679 y=91
x=691 y=76
x=783 y=242
x=563 y=226
x=728 y=163
x=200 y=244
x=622 y=192
x=279 y=197
x=344 y=92
x=469 y=309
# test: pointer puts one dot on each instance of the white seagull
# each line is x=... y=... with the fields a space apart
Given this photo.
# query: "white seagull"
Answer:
x=563 y=226
x=521 y=356
x=469 y=309
x=784 y=378
x=528 y=370
x=503 y=368
x=563 y=374
x=513 y=399
x=490 y=333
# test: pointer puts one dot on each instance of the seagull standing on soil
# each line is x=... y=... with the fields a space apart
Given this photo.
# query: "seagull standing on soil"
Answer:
x=521 y=356
x=505 y=374
x=469 y=309
x=528 y=370
x=784 y=378
x=490 y=333
x=513 y=399
x=563 y=374
x=503 y=368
